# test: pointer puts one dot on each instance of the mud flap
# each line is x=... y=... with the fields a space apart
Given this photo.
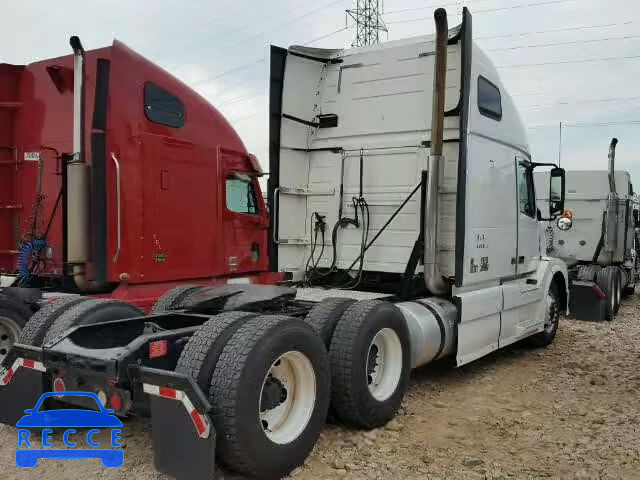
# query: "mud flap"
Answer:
x=587 y=302
x=178 y=450
x=20 y=387
x=184 y=440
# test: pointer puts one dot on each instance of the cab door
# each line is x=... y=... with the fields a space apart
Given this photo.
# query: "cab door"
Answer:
x=528 y=252
x=244 y=217
x=521 y=295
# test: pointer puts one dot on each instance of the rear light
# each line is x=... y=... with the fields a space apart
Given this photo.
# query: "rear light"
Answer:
x=28 y=363
x=599 y=292
x=116 y=402
x=159 y=348
x=58 y=385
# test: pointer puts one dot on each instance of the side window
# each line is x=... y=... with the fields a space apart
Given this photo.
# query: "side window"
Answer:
x=526 y=191
x=489 y=100
x=241 y=195
x=162 y=107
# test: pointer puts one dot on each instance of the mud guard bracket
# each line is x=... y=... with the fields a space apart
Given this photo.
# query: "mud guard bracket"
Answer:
x=178 y=449
x=24 y=388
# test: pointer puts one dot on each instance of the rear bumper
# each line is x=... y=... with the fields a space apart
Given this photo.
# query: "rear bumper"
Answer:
x=184 y=439
x=587 y=302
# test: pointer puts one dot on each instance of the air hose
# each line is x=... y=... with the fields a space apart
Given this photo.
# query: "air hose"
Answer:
x=26 y=255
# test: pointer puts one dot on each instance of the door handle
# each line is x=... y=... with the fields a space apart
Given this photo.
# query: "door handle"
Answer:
x=276 y=194
x=118 y=215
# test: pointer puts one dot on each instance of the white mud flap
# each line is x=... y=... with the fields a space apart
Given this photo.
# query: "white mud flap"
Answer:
x=479 y=323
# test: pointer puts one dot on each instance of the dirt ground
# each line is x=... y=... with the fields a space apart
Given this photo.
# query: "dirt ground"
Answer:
x=569 y=411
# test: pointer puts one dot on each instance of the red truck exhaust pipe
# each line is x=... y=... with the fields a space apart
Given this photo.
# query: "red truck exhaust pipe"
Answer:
x=78 y=177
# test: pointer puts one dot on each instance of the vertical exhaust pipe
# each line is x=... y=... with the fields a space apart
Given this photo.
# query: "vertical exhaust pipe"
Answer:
x=612 y=165
x=432 y=276
x=610 y=233
x=78 y=175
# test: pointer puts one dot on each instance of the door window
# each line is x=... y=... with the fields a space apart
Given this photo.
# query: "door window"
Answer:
x=526 y=192
x=241 y=195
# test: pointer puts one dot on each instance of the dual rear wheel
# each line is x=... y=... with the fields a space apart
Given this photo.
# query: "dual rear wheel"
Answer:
x=271 y=379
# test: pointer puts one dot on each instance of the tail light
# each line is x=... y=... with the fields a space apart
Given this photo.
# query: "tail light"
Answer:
x=59 y=385
x=158 y=348
x=115 y=402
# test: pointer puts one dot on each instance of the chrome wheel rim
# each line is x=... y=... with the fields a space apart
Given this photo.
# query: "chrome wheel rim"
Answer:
x=9 y=333
x=384 y=364
x=551 y=314
x=287 y=397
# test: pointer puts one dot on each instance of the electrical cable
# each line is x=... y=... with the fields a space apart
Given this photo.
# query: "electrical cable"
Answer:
x=563 y=62
x=572 y=42
x=489 y=10
x=240 y=42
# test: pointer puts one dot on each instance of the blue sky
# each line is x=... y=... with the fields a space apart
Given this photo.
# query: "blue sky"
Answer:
x=220 y=49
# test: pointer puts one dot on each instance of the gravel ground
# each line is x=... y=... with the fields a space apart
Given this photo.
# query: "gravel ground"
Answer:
x=568 y=411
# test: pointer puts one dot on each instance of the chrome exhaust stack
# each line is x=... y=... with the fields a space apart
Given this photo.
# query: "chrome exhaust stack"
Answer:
x=432 y=277
x=612 y=165
x=78 y=177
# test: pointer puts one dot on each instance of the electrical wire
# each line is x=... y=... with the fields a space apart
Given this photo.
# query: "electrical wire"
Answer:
x=557 y=30
x=241 y=99
x=434 y=5
x=257 y=35
x=227 y=72
x=594 y=124
x=574 y=102
x=564 y=62
x=489 y=10
x=573 y=42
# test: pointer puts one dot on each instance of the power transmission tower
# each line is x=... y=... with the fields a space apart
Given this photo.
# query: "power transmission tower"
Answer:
x=368 y=17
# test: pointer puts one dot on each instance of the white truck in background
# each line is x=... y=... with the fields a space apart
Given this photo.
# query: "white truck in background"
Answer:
x=596 y=237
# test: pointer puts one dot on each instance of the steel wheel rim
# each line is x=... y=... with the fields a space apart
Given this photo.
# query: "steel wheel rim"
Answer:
x=384 y=364
x=614 y=294
x=293 y=376
x=9 y=333
x=619 y=290
x=551 y=314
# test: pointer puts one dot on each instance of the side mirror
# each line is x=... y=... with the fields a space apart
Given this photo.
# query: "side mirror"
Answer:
x=564 y=224
x=556 y=192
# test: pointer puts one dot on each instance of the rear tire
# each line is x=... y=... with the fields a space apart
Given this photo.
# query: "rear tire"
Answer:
x=39 y=324
x=618 y=275
x=325 y=315
x=13 y=317
x=608 y=281
x=588 y=272
x=175 y=298
x=270 y=392
x=551 y=320
x=201 y=353
x=370 y=364
x=89 y=312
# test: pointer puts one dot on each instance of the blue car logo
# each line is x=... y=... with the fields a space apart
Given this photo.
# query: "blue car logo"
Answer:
x=28 y=456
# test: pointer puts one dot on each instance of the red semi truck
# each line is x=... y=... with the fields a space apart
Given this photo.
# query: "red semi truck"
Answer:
x=118 y=181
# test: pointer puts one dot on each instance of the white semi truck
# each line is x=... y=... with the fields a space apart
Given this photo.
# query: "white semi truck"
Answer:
x=596 y=238
x=403 y=211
